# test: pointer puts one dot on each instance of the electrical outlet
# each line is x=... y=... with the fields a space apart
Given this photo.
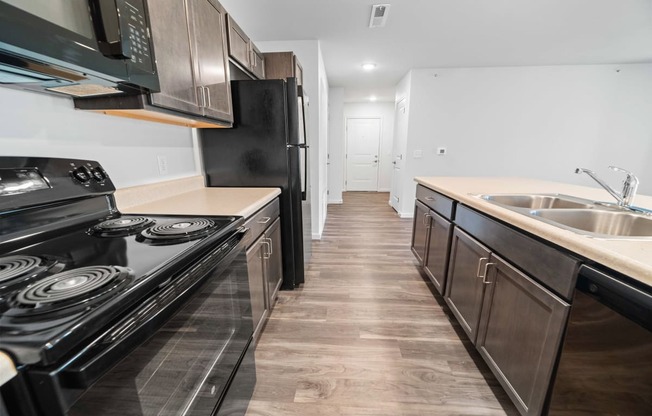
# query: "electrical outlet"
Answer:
x=162 y=165
x=441 y=151
x=417 y=154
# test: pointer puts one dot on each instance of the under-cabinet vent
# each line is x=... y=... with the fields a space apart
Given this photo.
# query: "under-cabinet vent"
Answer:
x=379 y=14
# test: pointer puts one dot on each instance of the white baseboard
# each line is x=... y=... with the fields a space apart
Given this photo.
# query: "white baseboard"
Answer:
x=406 y=214
x=384 y=190
x=335 y=201
x=316 y=236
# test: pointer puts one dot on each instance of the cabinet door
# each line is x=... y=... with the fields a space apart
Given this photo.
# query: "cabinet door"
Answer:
x=257 y=288
x=208 y=21
x=464 y=287
x=420 y=231
x=520 y=333
x=257 y=62
x=274 y=269
x=298 y=71
x=169 y=24
x=238 y=44
x=436 y=260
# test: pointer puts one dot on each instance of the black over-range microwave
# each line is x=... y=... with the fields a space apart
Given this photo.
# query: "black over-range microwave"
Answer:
x=77 y=47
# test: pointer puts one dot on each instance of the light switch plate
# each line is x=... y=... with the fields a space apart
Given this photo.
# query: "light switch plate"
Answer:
x=418 y=154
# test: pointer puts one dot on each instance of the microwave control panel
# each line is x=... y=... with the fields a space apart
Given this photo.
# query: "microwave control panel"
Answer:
x=135 y=25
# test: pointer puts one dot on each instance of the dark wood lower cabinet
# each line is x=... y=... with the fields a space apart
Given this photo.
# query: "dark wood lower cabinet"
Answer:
x=520 y=331
x=435 y=263
x=420 y=231
x=464 y=288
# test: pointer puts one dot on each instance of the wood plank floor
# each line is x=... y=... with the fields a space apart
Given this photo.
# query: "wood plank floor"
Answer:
x=365 y=335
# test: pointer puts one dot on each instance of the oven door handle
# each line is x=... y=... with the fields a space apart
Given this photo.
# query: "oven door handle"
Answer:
x=82 y=370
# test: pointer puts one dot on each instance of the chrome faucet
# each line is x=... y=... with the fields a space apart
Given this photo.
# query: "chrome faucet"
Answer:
x=630 y=184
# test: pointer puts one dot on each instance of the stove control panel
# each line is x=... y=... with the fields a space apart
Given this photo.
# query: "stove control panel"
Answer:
x=31 y=181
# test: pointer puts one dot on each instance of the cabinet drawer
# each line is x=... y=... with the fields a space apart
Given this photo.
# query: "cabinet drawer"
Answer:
x=262 y=219
x=438 y=202
x=553 y=268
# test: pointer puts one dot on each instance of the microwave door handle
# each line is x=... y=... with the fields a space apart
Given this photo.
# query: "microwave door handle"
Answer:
x=108 y=31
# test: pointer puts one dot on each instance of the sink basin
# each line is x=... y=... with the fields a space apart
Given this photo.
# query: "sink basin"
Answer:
x=539 y=201
x=598 y=223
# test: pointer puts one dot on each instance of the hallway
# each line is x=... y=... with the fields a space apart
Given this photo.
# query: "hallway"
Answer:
x=365 y=335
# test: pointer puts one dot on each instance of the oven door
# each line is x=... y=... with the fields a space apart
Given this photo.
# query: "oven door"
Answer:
x=187 y=350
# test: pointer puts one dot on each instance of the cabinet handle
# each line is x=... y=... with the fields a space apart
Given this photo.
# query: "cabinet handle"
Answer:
x=208 y=96
x=480 y=260
x=264 y=220
x=430 y=198
x=200 y=93
x=484 y=276
x=267 y=253
x=271 y=246
x=424 y=220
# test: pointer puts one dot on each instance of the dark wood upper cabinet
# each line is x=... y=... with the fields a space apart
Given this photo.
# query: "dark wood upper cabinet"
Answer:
x=282 y=65
x=243 y=51
x=189 y=39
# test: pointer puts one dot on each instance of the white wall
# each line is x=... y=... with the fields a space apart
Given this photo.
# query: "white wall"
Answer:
x=385 y=112
x=539 y=122
x=336 y=149
x=43 y=125
x=316 y=85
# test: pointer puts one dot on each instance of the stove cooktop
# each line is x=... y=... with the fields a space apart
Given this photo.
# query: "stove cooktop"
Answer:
x=53 y=291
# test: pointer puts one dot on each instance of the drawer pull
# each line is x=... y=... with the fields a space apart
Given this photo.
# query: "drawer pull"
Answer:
x=264 y=220
x=430 y=198
x=480 y=260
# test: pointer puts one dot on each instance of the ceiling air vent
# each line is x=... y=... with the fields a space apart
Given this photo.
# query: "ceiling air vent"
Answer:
x=379 y=14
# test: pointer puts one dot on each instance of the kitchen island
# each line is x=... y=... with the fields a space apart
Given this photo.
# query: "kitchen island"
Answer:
x=556 y=314
x=632 y=257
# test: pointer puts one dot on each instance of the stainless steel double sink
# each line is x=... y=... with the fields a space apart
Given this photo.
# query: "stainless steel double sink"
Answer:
x=583 y=216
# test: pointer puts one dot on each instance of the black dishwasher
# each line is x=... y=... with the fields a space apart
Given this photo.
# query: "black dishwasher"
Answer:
x=605 y=366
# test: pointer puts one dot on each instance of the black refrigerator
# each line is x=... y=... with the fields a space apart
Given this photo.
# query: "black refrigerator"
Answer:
x=267 y=148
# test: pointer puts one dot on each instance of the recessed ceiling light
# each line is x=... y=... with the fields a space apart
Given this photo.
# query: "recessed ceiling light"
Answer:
x=369 y=66
x=373 y=98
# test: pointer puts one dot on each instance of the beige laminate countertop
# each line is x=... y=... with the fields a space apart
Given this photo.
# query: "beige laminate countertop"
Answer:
x=206 y=201
x=630 y=257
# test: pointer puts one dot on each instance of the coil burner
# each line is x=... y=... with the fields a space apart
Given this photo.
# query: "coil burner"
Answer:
x=17 y=270
x=174 y=232
x=70 y=289
x=121 y=227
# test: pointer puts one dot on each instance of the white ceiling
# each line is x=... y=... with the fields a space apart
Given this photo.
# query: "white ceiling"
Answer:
x=451 y=33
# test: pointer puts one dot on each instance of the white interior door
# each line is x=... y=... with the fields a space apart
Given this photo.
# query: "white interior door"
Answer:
x=362 y=147
x=398 y=151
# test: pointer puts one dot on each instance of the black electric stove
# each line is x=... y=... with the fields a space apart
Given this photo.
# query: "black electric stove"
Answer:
x=83 y=286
